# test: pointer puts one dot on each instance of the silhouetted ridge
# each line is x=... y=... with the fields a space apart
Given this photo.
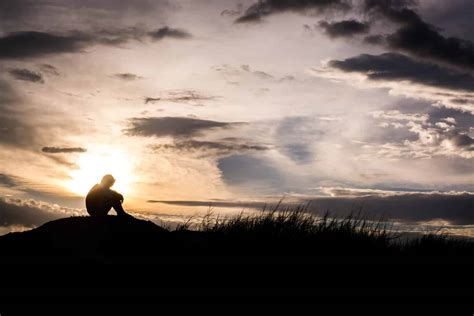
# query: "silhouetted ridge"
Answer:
x=288 y=233
x=86 y=237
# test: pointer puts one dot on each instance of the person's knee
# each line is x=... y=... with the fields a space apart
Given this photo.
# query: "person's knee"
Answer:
x=116 y=203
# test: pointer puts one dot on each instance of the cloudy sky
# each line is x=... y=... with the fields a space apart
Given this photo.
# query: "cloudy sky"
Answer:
x=234 y=104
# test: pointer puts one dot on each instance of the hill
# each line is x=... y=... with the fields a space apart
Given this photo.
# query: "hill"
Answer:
x=273 y=257
x=285 y=234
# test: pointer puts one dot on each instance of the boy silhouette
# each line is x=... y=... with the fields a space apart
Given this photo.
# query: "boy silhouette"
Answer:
x=101 y=199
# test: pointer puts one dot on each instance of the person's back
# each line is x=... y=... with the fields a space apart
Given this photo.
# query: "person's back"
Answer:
x=101 y=198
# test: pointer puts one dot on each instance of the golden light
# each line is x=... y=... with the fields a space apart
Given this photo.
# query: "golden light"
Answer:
x=93 y=165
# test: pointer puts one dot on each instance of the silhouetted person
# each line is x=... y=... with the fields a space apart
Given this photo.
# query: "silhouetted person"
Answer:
x=101 y=199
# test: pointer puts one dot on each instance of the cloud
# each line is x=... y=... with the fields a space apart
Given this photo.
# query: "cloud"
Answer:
x=406 y=76
x=461 y=140
x=348 y=192
x=58 y=150
x=35 y=44
x=173 y=126
x=7 y=181
x=151 y=100
x=260 y=74
x=412 y=35
x=168 y=32
x=295 y=135
x=347 y=28
x=455 y=208
x=211 y=148
x=232 y=74
x=396 y=115
x=30 y=44
x=433 y=138
x=254 y=174
x=213 y=203
x=181 y=96
x=263 y=8
x=374 y=39
x=26 y=75
x=396 y=67
x=31 y=213
x=416 y=37
x=49 y=69
x=127 y=76
x=47 y=14
x=15 y=130
x=455 y=17
x=407 y=207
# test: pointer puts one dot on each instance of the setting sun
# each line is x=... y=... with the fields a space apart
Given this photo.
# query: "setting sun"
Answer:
x=95 y=164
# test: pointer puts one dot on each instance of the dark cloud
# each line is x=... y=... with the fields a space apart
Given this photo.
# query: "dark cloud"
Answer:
x=151 y=100
x=413 y=35
x=374 y=39
x=454 y=17
x=30 y=213
x=211 y=148
x=463 y=120
x=7 y=181
x=233 y=12
x=458 y=138
x=172 y=126
x=419 y=38
x=34 y=44
x=22 y=215
x=228 y=12
x=181 y=96
x=29 y=44
x=460 y=101
x=115 y=36
x=20 y=7
x=347 y=28
x=251 y=173
x=461 y=140
x=409 y=207
x=26 y=75
x=423 y=129
x=58 y=150
x=48 y=14
x=396 y=67
x=263 y=8
x=416 y=207
x=166 y=31
x=128 y=76
x=49 y=69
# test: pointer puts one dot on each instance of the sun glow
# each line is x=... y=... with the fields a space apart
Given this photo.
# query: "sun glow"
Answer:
x=93 y=165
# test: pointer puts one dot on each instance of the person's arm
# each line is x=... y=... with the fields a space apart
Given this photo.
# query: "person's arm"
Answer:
x=118 y=205
x=116 y=196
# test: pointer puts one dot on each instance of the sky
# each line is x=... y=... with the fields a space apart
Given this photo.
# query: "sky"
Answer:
x=229 y=105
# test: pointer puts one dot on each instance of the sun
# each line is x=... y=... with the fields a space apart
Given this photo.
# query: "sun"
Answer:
x=93 y=165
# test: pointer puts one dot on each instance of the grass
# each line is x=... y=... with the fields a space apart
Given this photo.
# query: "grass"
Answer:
x=295 y=231
x=286 y=232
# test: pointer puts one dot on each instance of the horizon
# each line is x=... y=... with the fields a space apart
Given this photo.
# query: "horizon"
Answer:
x=232 y=105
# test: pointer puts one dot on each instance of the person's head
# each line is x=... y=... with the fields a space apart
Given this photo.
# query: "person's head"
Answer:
x=107 y=181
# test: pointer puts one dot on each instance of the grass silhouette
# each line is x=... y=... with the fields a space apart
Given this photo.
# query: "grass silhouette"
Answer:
x=294 y=231
x=289 y=232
